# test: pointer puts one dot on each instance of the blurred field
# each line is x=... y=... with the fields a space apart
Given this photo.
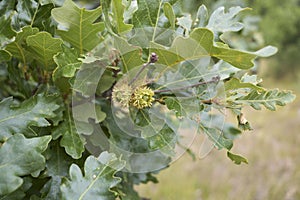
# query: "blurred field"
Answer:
x=272 y=149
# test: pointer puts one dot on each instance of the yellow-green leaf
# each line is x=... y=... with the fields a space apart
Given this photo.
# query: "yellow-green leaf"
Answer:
x=43 y=47
x=79 y=27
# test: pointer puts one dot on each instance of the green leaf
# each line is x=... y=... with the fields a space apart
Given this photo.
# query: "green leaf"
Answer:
x=201 y=44
x=235 y=83
x=217 y=137
x=70 y=138
x=97 y=181
x=4 y=55
x=169 y=13
x=18 y=47
x=32 y=112
x=106 y=82
x=88 y=110
x=19 y=157
x=118 y=12
x=165 y=138
x=185 y=22
x=268 y=99
x=26 y=12
x=237 y=159
x=43 y=47
x=67 y=63
x=57 y=165
x=202 y=16
x=220 y=21
x=6 y=7
x=6 y=31
x=20 y=193
x=147 y=13
x=130 y=55
x=87 y=78
x=81 y=31
x=173 y=104
x=43 y=19
x=54 y=2
x=85 y=112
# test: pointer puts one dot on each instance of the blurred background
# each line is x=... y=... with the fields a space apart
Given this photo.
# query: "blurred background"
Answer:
x=273 y=147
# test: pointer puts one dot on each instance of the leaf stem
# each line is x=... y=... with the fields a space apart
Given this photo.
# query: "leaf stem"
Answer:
x=153 y=59
x=215 y=79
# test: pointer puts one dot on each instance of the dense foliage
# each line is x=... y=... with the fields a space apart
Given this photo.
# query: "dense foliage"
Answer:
x=96 y=101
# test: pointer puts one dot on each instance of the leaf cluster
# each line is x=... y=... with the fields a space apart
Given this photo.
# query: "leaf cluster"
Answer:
x=63 y=136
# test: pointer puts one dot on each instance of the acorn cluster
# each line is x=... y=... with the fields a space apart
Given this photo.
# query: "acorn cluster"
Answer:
x=141 y=97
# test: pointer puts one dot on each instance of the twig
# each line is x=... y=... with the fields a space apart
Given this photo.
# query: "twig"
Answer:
x=153 y=59
x=213 y=80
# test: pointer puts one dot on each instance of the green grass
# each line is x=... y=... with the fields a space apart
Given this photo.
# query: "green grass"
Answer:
x=272 y=149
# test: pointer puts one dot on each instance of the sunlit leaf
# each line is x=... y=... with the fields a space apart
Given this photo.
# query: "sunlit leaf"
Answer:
x=237 y=159
x=118 y=12
x=79 y=27
x=168 y=10
x=201 y=44
x=43 y=47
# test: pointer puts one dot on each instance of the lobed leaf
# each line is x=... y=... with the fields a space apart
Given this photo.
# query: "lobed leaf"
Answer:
x=25 y=12
x=6 y=31
x=57 y=165
x=97 y=181
x=130 y=55
x=20 y=157
x=269 y=99
x=217 y=137
x=67 y=64
x=237 y=159
x=43 y=47
x=147 y=13
x=81 y=31
x=235 y=83
x=87 y=78
x=201 y=44
x=174 y=104
x=202 y=16
x=70 y=138
x=18 y=48
x=220 y=21
x=118 y=12
x=32 y=112
x=169 y=13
